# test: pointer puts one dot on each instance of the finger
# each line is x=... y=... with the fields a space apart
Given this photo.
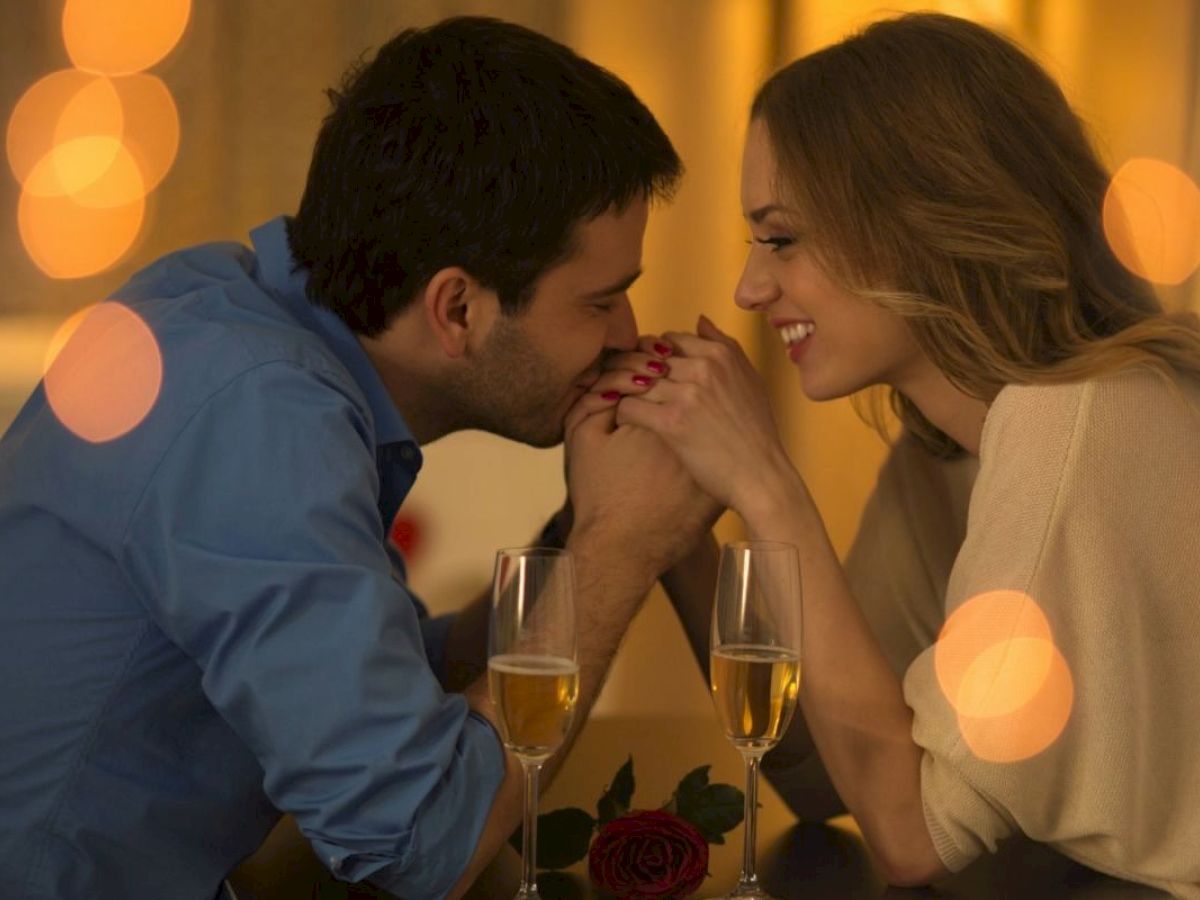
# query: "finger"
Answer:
x=656 y=346
x=590 y=404
x=688 y=344
x=622 y=382
x=706 y=328
x=713 y=347
x=642 y=412
x=688 y=368
x=637 y=361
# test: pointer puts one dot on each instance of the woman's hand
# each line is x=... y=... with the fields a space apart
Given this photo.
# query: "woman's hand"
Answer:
x=635 y=372
x=711 y=408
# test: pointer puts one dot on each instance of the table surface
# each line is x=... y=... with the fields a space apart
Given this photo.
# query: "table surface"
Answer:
x=796 y=860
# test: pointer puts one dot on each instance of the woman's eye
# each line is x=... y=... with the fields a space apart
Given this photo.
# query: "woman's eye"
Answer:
x=776 y=243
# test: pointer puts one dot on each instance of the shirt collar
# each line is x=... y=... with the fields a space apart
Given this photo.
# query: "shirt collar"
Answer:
x=278 y=271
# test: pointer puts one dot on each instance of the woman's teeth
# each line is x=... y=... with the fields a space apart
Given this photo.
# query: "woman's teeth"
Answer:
x=795 y=333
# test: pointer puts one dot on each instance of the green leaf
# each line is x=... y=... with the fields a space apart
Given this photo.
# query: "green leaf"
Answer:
x=563 y=837
x=714 y=809
x=618 y=796
x=693 y=782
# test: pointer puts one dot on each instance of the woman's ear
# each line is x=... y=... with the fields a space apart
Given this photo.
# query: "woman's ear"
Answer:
x=458 y=309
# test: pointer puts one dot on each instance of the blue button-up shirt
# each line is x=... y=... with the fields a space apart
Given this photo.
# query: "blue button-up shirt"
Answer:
x=201 y=623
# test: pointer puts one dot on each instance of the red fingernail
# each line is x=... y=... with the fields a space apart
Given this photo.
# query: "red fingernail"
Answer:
x=610 y=396
x=655 y=366
x=662 y=349
x=642 y=380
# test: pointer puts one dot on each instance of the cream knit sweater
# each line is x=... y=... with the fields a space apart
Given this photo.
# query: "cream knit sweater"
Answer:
x=1087 y=500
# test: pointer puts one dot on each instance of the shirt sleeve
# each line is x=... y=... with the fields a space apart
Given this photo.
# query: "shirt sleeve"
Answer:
x=434 y=629
x=258 y=549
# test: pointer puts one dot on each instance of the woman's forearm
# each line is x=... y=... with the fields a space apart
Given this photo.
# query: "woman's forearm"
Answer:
x=689 y=586
x=852 y=701
x=793 y=767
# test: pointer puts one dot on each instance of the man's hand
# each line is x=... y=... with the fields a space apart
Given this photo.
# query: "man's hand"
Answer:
x=629 y=490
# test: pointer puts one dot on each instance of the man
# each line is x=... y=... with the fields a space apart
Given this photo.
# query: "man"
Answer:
x=200 y=624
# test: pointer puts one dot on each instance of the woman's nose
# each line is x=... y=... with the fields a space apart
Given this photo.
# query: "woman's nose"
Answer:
x=757 y=288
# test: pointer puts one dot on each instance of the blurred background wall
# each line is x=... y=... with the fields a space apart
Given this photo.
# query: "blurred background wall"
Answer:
x=244 y=82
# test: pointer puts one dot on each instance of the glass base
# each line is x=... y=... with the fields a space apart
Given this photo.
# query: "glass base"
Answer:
x=531 y=894
x=747 y=892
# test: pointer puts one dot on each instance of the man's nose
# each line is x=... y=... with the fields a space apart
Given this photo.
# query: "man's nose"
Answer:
x=622 y=328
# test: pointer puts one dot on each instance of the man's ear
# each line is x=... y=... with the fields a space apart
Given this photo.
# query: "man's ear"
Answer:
x=458 y=309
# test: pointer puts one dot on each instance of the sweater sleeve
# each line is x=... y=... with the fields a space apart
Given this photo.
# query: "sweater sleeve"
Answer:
x=1058 y=701
x=910 y=532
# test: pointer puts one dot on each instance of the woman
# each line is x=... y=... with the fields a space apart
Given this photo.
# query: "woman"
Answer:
x=926 y=214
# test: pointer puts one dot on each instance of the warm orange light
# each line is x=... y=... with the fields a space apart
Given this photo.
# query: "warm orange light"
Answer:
x=1026 y=731
x=119 y=37
x=978 y=625
x=107 y=376
x=998 y=667
x=1152 y=220
x=67 y=239
x=151 y=133
x=62 y=107
x=62 y=335
x=1004 y=677
x=93 y=171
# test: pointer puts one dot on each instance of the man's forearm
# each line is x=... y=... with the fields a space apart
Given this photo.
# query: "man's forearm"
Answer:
x=466 y=643
x=689 y=585
x=610 y=588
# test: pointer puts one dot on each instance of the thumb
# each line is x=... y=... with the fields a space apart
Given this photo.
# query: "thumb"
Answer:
x=706 y=329
x=591 y=426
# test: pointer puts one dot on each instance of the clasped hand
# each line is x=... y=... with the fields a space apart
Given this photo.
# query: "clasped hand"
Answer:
x=623 y=478
x=708 y=405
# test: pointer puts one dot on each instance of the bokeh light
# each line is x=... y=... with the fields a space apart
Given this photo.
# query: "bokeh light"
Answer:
x=63 y=334
x=998 y=667
x=106 y=378
x=1152 y=220
x=67 y=239
x=59 y=108
x=1027 y=730
x=119 y=37
x=1004 y=677
x=151 y=119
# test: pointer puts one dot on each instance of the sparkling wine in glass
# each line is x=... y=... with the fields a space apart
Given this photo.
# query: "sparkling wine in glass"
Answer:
x=754 y=666
x=533 y=676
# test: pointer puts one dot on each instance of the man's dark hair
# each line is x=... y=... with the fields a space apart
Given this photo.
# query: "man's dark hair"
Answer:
x=475 y=143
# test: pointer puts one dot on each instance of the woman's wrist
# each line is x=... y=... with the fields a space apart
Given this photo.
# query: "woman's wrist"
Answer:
x=776 y=496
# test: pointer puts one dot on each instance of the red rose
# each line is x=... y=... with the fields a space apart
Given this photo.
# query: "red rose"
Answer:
x=648 y=853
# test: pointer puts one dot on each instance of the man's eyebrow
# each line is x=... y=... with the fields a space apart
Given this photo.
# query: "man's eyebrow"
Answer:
x=619 y=288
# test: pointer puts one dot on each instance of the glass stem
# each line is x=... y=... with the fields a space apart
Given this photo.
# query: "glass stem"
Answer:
x=749 y=879
x=529 y=830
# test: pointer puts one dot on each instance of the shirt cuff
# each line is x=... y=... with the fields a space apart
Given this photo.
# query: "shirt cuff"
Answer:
x=450 y=822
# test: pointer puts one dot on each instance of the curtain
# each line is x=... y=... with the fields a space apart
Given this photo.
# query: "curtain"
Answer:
x=248 y=82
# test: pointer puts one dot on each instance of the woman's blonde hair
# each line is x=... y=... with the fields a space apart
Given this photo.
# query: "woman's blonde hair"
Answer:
x=941 y=172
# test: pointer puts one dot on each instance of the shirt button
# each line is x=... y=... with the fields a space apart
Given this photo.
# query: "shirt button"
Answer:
x=407 y=453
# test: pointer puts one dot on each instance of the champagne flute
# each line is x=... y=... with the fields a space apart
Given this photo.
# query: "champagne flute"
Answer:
x=533 y=676
x=754 y=666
